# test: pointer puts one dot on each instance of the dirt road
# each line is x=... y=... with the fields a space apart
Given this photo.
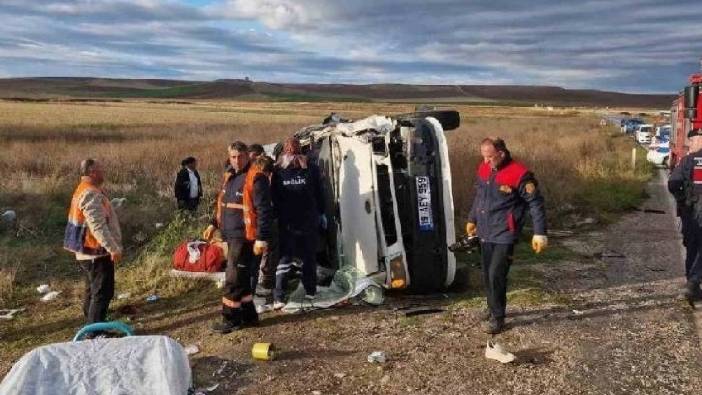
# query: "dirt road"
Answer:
x=622 y=328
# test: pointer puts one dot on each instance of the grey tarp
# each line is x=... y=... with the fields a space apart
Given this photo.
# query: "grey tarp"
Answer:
x=129 y=365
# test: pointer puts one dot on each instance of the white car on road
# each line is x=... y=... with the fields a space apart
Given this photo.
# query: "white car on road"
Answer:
x=643 y=133
x=659 y=154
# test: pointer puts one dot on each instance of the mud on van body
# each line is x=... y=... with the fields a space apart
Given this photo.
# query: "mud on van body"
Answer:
x=388 y=198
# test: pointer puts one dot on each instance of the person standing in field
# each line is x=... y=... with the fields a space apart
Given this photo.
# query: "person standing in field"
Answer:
x=505 y=191
x=94 y=235
x=685 y=183
x=243 y=214
x=297 y=198
x=188 y=187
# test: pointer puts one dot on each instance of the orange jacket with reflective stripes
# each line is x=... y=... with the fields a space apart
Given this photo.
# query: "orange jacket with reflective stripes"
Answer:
x=250 y=215
x=78 y=238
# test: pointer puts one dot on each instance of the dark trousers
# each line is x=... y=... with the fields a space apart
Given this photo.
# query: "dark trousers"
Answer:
x=237 y=301
x=692 y=239
x=99 y=287
x=496 y=260
x=188 y=204
x=268 y=262
x=301 y=245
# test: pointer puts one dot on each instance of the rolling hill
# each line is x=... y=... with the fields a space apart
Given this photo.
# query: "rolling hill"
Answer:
x=235 y=89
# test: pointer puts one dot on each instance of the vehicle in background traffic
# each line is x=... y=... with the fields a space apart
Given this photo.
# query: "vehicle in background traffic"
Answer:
x=660 y=154
x=631 y=124
x=643 y=133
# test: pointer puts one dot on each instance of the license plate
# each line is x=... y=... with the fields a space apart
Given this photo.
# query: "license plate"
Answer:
x=426 y=221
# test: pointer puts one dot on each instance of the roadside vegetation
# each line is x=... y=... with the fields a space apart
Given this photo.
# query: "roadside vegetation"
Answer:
x=584 y=170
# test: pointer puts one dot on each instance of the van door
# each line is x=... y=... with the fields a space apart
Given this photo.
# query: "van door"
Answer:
x=357 y=207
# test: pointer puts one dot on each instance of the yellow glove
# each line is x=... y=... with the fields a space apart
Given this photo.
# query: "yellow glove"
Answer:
x=260 y=247
x=471 y=229
x=209 y=231
x=539 y=243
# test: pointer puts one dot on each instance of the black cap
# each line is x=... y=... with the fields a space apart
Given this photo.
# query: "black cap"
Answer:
x=694 y=132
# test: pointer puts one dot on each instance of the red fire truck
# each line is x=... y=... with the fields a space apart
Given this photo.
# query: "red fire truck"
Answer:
x=686 y=114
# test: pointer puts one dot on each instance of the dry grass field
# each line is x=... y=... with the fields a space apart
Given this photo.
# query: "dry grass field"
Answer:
x=584 y=170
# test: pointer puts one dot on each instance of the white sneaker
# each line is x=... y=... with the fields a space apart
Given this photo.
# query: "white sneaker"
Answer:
x=278 y=305
x=497 y=352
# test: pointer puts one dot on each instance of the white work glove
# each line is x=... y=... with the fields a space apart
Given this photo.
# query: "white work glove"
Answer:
x=260 y=247
x=539 y=243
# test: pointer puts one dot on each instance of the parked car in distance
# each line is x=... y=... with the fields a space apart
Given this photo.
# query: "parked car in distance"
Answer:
x=659 y=155
x=643 y=133
x=631 y=124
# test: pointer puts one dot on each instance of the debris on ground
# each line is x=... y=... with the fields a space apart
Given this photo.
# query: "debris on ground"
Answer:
x=50 y=296
x=125 y=295
x=152 y=298
x=44 y=288
x=263 y=351
x=8 y=314
x=339 y=375
x=203 y=391
x=118 y=202
x=377 y=357
x=158 y=225
x=8 y=218
x=410 y=311
x=192 y=349
x=498 y=353
x=578 y=312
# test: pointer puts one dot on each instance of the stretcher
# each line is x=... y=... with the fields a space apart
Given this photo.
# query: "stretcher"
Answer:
x=124 y=365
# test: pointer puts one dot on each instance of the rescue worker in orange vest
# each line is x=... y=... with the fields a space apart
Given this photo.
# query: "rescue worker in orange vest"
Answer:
x=505 y=191
x=244 y=215
x=93 y=234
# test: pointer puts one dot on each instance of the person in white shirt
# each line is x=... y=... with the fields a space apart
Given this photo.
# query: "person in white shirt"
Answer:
x=188 y=187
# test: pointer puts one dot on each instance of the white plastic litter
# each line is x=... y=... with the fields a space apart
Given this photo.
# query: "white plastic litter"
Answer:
x=50 y=296
x=125 y=295
x=377 y=357
x=44 y=288
x=118 y=202
x=8 y=216
x=192 y=349
x=8 y=314
x=158 y=225
x=153 y=298
x=130 y=365
x=497 y=352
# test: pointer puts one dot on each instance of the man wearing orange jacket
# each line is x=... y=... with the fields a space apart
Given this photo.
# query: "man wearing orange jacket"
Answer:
x=505 y=191
x=93 y=234
x=243 y=214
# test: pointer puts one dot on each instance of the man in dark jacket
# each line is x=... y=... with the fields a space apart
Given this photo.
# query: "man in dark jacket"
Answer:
x=297 y=198
x=244 y=215
x=685 y=183
x=188 y=187
x=505 y=190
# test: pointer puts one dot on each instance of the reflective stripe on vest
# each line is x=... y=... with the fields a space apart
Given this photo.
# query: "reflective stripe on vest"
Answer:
x=78 y=238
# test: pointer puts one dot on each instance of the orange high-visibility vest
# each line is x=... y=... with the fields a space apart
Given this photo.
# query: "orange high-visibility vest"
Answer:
x=78 y=237
x=250 y=215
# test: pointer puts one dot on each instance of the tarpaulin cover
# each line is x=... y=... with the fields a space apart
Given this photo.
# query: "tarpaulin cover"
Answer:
x=129 y=365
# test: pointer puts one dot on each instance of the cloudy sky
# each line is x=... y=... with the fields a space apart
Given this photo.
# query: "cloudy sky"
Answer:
x=625 y=45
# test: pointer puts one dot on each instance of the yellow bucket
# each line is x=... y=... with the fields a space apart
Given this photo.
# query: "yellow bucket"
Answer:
x=263 y=351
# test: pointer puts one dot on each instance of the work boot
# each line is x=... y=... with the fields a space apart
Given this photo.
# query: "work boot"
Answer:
x=693 y=293
x=225 y=326
x=248 y=314
x=494 y=325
